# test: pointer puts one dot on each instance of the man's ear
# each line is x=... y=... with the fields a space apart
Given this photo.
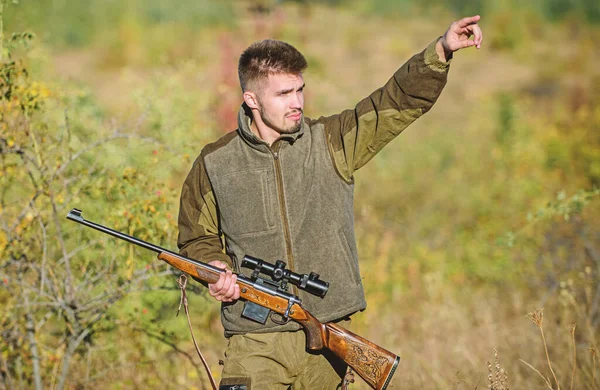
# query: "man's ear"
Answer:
x=251 y=100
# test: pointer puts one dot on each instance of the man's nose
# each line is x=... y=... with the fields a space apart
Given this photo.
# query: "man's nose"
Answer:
x=296 y=102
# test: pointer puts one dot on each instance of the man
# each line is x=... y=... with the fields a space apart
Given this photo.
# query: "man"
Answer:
x=281 y=187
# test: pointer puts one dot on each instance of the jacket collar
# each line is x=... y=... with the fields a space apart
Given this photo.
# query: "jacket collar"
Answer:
x=244 y=119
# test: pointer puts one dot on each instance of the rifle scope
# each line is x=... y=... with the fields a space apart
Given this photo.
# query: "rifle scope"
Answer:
x=278 y=273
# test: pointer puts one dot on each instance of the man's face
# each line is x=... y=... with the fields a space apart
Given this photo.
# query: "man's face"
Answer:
x=281 y=102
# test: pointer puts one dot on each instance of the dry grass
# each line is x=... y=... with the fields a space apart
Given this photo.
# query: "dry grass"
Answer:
x=440 y=316
x=538 y=319
x=497 y=376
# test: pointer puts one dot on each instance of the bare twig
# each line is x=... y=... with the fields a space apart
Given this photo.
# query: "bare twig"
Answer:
x=44 y=247
x=68 y=132
x=115 y=135
x=55 y=369
x=42 y=321
x=548 y=358
x=5 y=373
x=572 y=330
x=538 y=318
x=30 y=330
x=63 y=247
x=593 y=353
x=23 y=212
x=169 y=343
x=539 y=373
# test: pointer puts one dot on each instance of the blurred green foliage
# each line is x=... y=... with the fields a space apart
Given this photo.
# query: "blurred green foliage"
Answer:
x=79 y=23
x=485 y=207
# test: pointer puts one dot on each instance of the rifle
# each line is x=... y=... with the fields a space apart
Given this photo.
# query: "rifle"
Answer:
x=374 y=364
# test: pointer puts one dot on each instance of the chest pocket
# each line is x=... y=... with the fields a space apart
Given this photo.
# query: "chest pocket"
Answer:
x=245 y=200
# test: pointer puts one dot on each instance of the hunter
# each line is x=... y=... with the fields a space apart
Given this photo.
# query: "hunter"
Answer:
x=281 y=186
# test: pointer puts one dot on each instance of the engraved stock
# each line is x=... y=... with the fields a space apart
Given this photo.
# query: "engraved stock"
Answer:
x=371 y=362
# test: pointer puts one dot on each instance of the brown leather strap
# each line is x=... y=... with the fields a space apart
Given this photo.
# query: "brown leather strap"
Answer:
x=182 y=281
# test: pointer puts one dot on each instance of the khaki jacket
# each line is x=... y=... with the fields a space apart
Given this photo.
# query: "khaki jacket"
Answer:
x=293 y=200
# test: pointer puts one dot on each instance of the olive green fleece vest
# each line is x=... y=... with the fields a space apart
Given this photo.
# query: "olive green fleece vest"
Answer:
x=293 y=201
x=287 y=202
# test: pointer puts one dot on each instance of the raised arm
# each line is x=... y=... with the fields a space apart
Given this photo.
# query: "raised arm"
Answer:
x=356 y=135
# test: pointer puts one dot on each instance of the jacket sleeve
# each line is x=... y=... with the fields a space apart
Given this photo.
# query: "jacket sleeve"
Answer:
x=199 y=234
x=356 y=135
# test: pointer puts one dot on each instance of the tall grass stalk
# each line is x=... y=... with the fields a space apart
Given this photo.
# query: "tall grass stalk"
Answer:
x=593 y=352
x=572 y=329
x=548 y=357
x=538 y=319
x=538 y=372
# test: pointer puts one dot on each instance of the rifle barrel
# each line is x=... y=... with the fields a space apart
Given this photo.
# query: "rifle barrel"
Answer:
x=75 y=215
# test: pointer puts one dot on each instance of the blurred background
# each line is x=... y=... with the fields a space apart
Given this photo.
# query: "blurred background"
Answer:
x=485 y=210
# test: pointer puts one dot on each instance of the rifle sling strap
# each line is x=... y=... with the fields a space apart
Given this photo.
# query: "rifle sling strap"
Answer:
x=182 y=281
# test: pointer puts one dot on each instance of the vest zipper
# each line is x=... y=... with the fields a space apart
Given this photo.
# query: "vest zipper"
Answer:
x=282 y=208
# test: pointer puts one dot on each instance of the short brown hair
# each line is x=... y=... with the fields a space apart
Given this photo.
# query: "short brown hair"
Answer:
x=268 y=57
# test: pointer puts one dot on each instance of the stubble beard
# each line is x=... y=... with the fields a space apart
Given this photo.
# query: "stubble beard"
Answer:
x=285 y=130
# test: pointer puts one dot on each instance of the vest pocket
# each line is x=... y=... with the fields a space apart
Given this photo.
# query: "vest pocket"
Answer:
x=350 y=256
x=245 y=202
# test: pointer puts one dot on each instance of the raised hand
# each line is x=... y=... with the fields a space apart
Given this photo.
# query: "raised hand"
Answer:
x=459 y=36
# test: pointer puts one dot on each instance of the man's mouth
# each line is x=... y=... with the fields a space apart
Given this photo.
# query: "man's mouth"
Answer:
x=295 y=116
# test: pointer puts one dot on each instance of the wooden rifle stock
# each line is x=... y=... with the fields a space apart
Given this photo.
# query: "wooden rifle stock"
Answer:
x=373 y=363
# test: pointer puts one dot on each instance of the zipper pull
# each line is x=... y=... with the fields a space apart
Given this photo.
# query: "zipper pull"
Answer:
x=275 y=155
